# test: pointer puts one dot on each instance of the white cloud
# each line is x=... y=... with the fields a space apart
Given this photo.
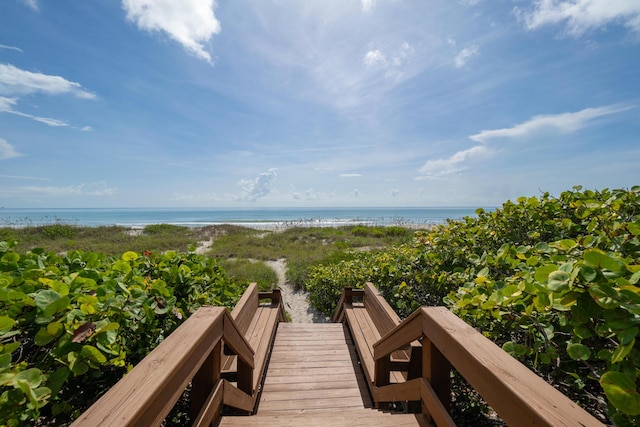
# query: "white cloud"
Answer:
x=350 y=175
x=442 y=167
x=7 y=151
x=464 y=55
x=565 y=122
x=33 y=4
x=391 y=64
x=17 y=49
x=367 y=5
x=6 y=106
x=582 y=15
x=254 y=189
x=14 y=81
x=191 y=23
x=374 y=57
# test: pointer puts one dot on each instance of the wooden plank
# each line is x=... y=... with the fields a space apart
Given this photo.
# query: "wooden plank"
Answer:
x=434 y=406
x=146 y=394
x=270 y=322
x=342 y=383
x=379 y=309
x=516 y=393
x=311 y=378
x=205 y=380
x=212 y=408
x=409 y=390
x=346 y=417
x=236 y=398
x=289 y=395
x=299 y=405
x=366 y=359
x=401 y=335
x=244 y=310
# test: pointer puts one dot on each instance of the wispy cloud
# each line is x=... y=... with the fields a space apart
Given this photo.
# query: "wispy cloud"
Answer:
x=350 y=175
x=7 y=151
x=17 y=49
x=392 y=63
x=465 y=55
x=581 y=16
x=96 y=189
x=14 y=81
x=33 y=4
x=561 y=123
x=6 y=106
x=439 y=168
x=564 y=122
x=259 y=187
x=191 y=23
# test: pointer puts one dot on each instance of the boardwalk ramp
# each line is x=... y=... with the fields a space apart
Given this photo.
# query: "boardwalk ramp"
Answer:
x=314 y=379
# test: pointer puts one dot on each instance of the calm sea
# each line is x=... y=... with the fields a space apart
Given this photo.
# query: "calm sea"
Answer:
x=264 y=217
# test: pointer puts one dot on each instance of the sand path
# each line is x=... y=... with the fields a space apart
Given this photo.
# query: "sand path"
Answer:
x=295 y=301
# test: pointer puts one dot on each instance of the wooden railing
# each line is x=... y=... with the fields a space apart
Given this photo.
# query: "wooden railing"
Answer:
x=191 y=354
x=516 y=393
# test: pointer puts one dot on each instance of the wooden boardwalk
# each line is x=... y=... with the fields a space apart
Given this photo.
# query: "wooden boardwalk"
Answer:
x=313 y=379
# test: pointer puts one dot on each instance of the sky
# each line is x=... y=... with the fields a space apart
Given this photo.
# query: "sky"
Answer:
x=304 y=103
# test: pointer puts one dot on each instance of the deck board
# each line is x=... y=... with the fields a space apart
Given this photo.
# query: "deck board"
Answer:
x=314 y=379
x=311 y=367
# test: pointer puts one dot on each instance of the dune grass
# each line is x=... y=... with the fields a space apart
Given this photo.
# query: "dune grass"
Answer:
x=233 y=245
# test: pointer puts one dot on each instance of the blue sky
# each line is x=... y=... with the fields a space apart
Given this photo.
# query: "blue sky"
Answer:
x=202 y=103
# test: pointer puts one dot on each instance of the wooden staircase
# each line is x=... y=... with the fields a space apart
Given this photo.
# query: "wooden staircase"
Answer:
x=314 y=379
x=251 y=362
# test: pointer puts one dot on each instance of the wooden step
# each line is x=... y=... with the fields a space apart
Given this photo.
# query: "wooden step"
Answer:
x=314 y=379
x=347 y=418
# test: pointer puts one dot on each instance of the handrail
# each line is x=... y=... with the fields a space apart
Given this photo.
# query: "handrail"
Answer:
x=192 y=353
x=345 y=298
x=518 y=395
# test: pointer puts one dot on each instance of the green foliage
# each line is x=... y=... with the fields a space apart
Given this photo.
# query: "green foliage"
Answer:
x=554 y=281
x=111 y=240
x=71 y=325
x=245 y=271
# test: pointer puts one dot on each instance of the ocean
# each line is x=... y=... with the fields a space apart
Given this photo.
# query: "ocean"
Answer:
x=251 y=217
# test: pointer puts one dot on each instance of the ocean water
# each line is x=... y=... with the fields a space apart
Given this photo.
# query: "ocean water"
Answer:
x=259 y=218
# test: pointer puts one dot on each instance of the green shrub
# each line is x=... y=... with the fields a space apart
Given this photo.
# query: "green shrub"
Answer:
x=554 y=281
x=72 y=325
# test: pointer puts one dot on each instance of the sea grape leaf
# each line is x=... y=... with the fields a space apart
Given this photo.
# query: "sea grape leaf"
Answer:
x=622 y=351
x=558 y=281
x=621 y=391
x=6 y=323
x=578 y=351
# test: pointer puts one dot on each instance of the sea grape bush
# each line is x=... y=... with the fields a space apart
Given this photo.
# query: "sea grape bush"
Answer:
x=553 y=280
x=72 y=325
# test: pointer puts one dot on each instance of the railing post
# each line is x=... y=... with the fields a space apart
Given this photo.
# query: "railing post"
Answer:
x=245 y=377
x=205 y=380
x=436 y=369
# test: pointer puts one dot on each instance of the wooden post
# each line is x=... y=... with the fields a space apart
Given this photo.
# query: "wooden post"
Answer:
x=436 y=369
x=245 y=377
x=205 y=380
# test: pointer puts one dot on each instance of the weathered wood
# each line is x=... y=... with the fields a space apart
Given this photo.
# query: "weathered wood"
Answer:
x=146 y=394
x=323 y=417
x=399 y=336
x=205 y=380
x=436 y=369
x=516 y=393
x=212 y=408
x=316 y=384
x=244 y=310
x=399 y=392
x=434 y=407
x=379 y=309
x=237 y=398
